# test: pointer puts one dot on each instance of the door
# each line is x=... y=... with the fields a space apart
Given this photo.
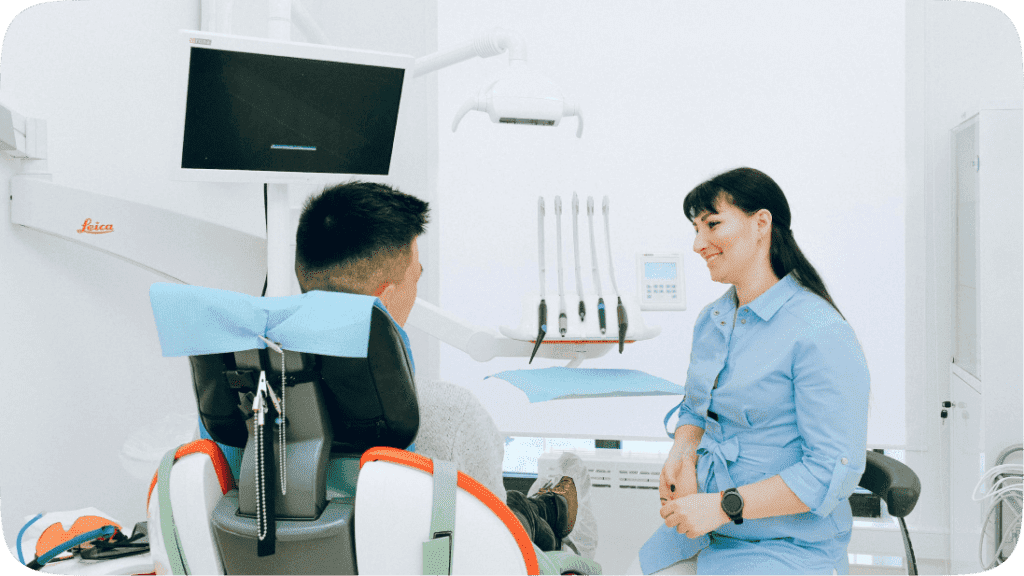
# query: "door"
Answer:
x=965 y=371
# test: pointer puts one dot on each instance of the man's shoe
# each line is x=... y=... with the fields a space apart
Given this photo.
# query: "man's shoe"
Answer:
x=565 y=488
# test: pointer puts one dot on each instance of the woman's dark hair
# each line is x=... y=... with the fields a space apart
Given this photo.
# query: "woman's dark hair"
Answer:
x=751 y=190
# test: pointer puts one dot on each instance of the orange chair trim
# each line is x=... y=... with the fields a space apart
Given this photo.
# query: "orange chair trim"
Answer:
x=210 y=448
x=54 y=535
x=467 y=483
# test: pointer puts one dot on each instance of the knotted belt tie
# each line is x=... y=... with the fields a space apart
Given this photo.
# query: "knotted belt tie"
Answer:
x=721 y=453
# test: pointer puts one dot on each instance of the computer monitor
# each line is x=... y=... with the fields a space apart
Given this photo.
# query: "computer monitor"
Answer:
x=258 y=110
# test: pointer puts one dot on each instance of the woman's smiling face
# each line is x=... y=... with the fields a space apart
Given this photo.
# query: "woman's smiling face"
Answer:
x=728 y=242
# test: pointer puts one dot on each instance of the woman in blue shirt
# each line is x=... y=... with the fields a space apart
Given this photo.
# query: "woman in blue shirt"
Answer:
x=771 y=436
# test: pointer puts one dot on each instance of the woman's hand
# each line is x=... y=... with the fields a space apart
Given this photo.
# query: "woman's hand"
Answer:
x=678 y=477
x=679 y=474
x=694 y=515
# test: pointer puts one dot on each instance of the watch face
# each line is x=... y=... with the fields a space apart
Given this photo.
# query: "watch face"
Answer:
x=732 y=504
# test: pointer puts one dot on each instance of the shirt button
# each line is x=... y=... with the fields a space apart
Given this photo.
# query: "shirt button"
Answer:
x=723 y=322
x=743 y=321
x=716 y=312
x=845 y=461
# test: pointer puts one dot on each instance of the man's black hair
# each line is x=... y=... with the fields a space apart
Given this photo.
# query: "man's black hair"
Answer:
x=354 y=234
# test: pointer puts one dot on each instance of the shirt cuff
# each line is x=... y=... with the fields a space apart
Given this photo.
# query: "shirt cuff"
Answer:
x=687 y=418
x=822 y=499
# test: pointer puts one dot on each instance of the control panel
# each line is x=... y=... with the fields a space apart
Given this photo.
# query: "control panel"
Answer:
x=660 y=281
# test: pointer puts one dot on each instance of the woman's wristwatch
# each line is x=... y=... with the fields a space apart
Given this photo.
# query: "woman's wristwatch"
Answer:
x=732 y=505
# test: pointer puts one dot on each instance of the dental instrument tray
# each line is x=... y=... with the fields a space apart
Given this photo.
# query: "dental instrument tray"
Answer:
x=578 y=331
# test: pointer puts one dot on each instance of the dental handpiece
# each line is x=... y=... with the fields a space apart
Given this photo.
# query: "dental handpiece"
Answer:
x=620 y=309
x=576 y=253
x=563 y=319
x=542 y=322
x=593 y=260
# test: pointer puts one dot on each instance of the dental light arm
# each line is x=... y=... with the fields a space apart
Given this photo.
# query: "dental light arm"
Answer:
x=485 y=45
x=520 y=96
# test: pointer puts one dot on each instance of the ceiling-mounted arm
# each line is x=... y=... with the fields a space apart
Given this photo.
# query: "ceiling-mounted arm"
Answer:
x=485 y=45
x=520 y=96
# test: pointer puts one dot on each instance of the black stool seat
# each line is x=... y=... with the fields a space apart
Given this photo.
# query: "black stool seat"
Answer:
x=894 y=482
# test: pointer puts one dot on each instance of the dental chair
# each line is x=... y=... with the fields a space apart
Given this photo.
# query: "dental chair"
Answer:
x=347 y=418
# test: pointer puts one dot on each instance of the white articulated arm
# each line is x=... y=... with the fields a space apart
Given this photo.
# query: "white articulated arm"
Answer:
x=481 y=345
x=489 y=44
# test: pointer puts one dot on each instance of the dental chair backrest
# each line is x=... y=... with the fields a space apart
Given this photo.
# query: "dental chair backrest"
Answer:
x=335 y=408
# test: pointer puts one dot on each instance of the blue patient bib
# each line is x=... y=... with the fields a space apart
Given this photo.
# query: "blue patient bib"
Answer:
x=192 y=320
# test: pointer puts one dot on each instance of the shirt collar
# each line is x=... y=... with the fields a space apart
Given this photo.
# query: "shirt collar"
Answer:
x=769 y=302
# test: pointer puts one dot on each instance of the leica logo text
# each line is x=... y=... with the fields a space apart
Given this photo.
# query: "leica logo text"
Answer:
x=95 y=228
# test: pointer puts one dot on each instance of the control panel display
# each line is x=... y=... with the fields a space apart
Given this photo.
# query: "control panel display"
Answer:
x=660 y=279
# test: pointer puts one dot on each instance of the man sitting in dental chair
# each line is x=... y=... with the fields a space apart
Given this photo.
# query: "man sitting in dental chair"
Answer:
x=360 y=238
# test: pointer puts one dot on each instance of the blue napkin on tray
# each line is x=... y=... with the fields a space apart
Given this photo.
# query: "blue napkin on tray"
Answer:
x=565 y=383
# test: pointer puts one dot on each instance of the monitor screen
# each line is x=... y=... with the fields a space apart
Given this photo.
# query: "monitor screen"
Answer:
x=253 y=109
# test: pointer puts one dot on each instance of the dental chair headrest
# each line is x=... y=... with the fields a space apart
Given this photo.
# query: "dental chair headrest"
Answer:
x=365 y=376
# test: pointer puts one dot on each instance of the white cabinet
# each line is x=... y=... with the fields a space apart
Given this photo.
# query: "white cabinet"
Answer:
x=985 y=373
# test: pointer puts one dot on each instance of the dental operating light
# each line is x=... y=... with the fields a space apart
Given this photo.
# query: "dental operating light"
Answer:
x=519 y=96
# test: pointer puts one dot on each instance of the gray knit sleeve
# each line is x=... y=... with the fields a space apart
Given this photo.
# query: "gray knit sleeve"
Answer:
x=454 y=426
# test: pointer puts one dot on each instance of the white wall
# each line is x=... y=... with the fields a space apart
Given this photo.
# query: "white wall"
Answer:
x=674 y=92
x=81 y=362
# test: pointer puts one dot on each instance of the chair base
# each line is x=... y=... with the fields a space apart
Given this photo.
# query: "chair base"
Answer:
x=325 y=545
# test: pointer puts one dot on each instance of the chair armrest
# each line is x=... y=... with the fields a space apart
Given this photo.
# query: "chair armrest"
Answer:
x=892 y=481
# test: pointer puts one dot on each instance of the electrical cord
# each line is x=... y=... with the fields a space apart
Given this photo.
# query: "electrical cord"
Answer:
x=1009 y=488
x=266 y=224
x=990 y=474
x=1001 y=546
x=21 y=557
x=104 y=532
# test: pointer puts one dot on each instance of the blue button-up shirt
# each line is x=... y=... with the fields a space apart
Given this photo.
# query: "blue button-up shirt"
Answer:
x=780 y=387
